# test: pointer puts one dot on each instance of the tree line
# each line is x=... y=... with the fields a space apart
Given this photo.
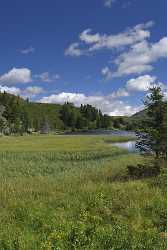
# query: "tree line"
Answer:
x=21 y=116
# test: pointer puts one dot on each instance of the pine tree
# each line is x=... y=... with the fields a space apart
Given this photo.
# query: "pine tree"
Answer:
x=150 y=139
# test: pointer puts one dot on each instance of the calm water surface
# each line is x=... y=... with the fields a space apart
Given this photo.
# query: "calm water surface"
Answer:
x=104 y=132
x=130 y=146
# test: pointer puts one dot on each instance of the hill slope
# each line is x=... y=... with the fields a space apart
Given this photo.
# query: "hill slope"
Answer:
x=20 y=114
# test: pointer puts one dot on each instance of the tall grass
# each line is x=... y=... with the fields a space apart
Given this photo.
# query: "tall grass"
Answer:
x=68 y=192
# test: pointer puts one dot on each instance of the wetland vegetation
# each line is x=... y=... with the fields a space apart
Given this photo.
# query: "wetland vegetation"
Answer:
x=62 y=192
x=73 y=192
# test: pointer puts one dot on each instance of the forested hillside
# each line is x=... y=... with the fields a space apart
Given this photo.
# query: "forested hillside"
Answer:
x=18 y=116
x=138 y=120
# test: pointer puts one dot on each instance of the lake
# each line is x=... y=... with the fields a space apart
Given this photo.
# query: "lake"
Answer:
x=130 y=146
x=103 y=132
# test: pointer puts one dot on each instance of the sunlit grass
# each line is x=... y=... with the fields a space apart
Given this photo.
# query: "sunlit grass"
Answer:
x=72 y=192
x=59 y=143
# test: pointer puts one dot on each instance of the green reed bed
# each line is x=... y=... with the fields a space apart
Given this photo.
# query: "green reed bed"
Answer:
x=67 y=192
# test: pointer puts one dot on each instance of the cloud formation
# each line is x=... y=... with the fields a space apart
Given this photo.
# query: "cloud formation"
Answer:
x=33 y=90
x=27 y=51
x=24 y=75
x=10 y=90
x=74 y=50
x=109 y=104
x=108 y=3
x=30 y=91
x=140 y=57
x=93 y=42
x=15 y=76
x=106 y=72
x=134 y=53
x=46 y=77
x=141 y=83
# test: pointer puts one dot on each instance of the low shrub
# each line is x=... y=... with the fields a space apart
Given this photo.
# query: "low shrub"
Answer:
x=142 y=171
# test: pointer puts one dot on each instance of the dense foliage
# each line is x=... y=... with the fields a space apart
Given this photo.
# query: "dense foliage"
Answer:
x=153 y=138
x=18 y=116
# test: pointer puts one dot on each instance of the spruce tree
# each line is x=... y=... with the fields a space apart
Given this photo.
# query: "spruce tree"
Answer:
x=150 y=139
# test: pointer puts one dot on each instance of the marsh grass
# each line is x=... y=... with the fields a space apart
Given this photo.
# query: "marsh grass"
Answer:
x=69 y=192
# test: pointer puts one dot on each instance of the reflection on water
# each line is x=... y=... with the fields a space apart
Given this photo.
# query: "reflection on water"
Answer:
x=103 y=132
x=130 y=146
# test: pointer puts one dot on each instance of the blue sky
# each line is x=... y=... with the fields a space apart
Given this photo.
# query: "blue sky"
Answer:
x=103 y=52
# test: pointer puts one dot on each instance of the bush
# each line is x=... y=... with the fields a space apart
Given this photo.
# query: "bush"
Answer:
x=142 y=171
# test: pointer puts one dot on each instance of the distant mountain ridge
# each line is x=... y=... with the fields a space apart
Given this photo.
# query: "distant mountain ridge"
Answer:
x=141 y=114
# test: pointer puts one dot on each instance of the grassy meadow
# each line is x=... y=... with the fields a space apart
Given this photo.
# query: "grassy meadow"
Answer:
x=73 y=192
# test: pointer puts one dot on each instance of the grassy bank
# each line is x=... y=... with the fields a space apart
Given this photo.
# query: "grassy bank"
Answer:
x=70 y=192
x=61 y=143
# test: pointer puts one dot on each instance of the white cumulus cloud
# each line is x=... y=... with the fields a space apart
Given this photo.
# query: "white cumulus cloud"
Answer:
x=30 y=91
x=140 y=57
x=133 y=52
x=10 y=90
x=109 y=104
x=16 y=75
x=141 y=83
